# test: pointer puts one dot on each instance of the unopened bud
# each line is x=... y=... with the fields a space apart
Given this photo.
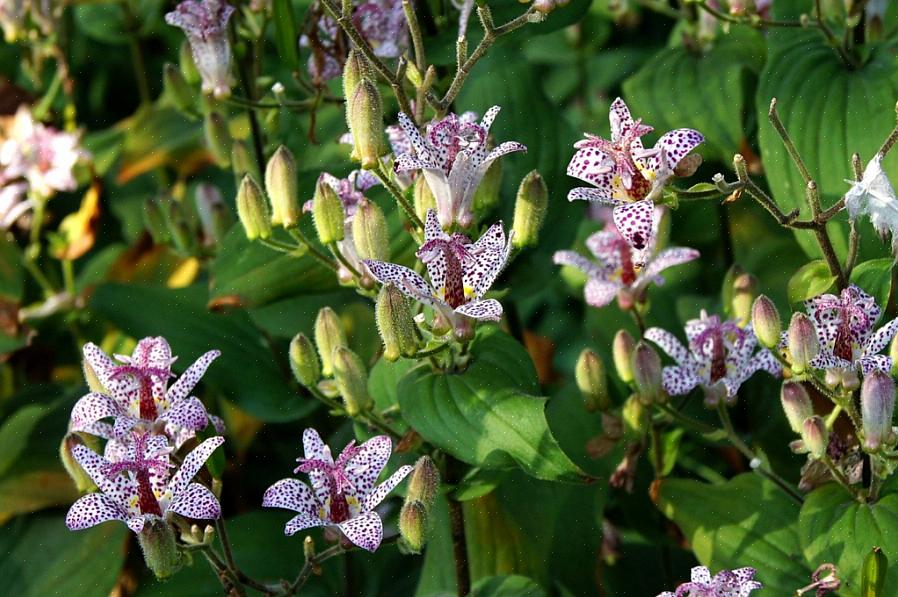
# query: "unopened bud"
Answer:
x=352 y=381
x=308 y=548
x=590 y=376
x=796 y=404
x=355 y=69
x=160 y=551
x=423 y=197
x=91 y=378
x=369 y=232
x=281 y=186
x=687 y=166
x=544 y=6
x=155 y=221
x=893 y=354
x=177 y=88
x=218 y=138
x=81 y=479
x=327 y=214
x=635 y=417
x=647 y=373
x=622 y=352
x=424 y=482
x=877 y=407
x=530 y=210
x=329 y=335
x=487 y=194
x=304 y=361
x=366 y=123
x=815 y=436
x=252 y=210
x=182 y=235
x=395 y=324
x=413 y=525
x=873 y=573
x=765 y=321
x=802 y=342
x=215 y=218
x=744 y=288
x=188 y=67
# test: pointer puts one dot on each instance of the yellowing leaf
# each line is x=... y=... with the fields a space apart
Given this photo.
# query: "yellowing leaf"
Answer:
x=184 y=274
x=77 y=231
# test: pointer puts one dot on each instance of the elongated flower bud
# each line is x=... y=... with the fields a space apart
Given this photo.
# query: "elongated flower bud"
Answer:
x=218 y=138
x=395 y=324
x=155 y=221
x=424 y=482
x=487 y=194
x=252 y=210
x=635 y=416
x=177 y=88
x=329 y=335
x=366 y=123
x=622 y=352
x=352 y=381
x=78 y=475
x=91 y=378
x=647 y=373
x=304 y=361
x=592 y=381
x=369 y=232
x=873 y=573
x=215 y=218
x=877 y=408
x=796 y=404
x=413 y=523
x=327 y=214
x=530 y=210
x=423 y=197
x=744 y=288
x=281 y=186
x=160 y=551
x=765 y=321
x=355 y=69
x=815 y=436
x=186 y=64
x=893 y=354
x=802 y=342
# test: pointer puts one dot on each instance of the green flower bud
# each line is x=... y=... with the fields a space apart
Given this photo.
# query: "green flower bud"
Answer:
x=327 y=214
x=304 y=361
x=530 y=210
x=877 y=408
x=873 y=573
x=395 y=323
x=187 y=65
x=91 y=378
x=893 y=354
x=281 y=186
x=487 y=194
x=815 y=436
x=177 y=88
x=369 y=232
x=744 y=288
x=802 y=342
x=413 y=525
x=592 y=381
x=366 y=123
x=765 y=321
x=81 y=479
x=308 y=548
x=423 y=197
x=635 y=417
x=796 y=404
x=622 y=352
x=355 y=69
x=424 y=482
x=215 y=217
x=329 y=335
x=218 y=138
x=352 y=381
x=182 y=235
x=160 y=551
x=647 y=373
x=252 y=210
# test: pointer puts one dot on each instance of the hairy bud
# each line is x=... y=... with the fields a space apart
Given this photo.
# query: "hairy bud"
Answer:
x=796 y=404
x=160 y=551
x=815 y=436
x=366 y=123
x=218 y=138
x=369 y=232
x=281 y=186
x=81 y=479
x=177 y=88
x=327 y=214
x=635 y=417
x=329 y=335
x=744 y=288
x=186 y=64
x=802 y=342
x=529 y=210
x=413 y=525
x=215 y=218
x=622 y=352
x=877 y=408
x=592 y=381
x=252 y=210
x=355 y=69
x=304 y=361
x=352 y=381
x=395 y=324
x=424 y=482
x=647 y=373
x=765 y=321
x=423 y=197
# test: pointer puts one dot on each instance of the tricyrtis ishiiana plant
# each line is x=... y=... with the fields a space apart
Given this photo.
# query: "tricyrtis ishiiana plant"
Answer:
x=560 y=348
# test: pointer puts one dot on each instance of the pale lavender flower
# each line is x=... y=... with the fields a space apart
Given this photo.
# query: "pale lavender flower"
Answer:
x=625 y=174
x=874 y=197
x=343 y=493
x=205 y=22
x=619 y=270
x=726 y=583
x=720 y=357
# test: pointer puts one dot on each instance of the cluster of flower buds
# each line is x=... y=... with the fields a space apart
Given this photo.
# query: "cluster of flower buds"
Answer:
x=190 y=229
x=282 y=207
x=415 y=516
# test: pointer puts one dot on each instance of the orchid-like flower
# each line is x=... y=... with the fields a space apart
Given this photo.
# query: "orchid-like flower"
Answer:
x=460 y=271
x=726 y=583
x=720 y=357
x=342 y=493
x=845 y=327
x=875 y=198
x=618 y=269
x=138 y=488
x=39 y=155
x=205 y=22
x=454 y=157
x=625 y=174
x=137 y=395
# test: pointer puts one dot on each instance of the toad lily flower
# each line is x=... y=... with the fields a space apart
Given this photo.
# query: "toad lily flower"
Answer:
x=461 y=272
x=343 y=492
x=137 y=394
x=875 y=197
x=454 y=157
x=845 y=325
x=625 y=174
x=720 y=357
x=138 y=488
x=205 y=23
x=618 y=269
x=726 y=583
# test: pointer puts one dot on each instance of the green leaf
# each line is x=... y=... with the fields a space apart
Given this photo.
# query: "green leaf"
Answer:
x=875 y=278
x=836 y=528
x=811 y=280
x=11 y=270
x=15 y=431
x=747 y=521
x=488 y=416
x=383 y=382
x=507 y=586
x=35 y=490
x=246 y=372
x=672 y=90
x=285 y=36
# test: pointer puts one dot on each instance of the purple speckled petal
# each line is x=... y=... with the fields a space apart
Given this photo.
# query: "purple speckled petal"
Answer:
x=196 y=501
x=192 y=464
x=92 y=509
x=365 y=531
x=380 y=492
x=182 y=387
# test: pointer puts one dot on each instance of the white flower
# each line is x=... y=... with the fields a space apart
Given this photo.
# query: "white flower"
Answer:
x=875 y=198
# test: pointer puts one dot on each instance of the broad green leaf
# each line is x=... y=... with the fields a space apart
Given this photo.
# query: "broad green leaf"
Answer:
x=747 y=521
x=673 y=90
x=285 y=36
x=836 y=528
x=383 y=381
x=811 y=280
x=15 y=431
x=247 y=372
x=507 y=586
x=35 y=490
x=875 y=278
x=489 y=415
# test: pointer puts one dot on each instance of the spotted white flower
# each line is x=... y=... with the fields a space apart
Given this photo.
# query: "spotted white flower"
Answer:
x=726 y=583
x=720 y=357
x=626 y=175
x=343 y=493
x=873 y=196
x=205 y=22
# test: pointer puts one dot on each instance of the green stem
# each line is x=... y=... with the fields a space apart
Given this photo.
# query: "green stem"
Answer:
x=840 y=478
x=313 y=251
x=137 y=58
x=385 y=179
x=335 y=250
x=68 y=276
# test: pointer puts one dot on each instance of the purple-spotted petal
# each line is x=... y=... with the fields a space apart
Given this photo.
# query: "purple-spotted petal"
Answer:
x=488 y=310
x=635 y=222
x=668 y=258
x=315 y=449
x=601 y=194
x=488 y=257
x=412 y=134
x=620 y=119
x=875 y=362
x=575 y=259
x=671 y=345
x=364 y=468
x=121 y=388
x=92 y=509
x=188 y=414
x=182 y=387
x=881 y=338
x=676 y=145
x=135 y=523
x=599 y=292
x=91 y=408
x=119 y=488
x=301 y=522
x=406 y=280
x=380 y=492
x=502 y=149
x=432 y=228
x=407 y=163
x=679 y=380
x=292 y=495
x=196 y=501
x=192 y=464
x=826 y=360
x=365 y=531
x=591 y=164
x=218 y=423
